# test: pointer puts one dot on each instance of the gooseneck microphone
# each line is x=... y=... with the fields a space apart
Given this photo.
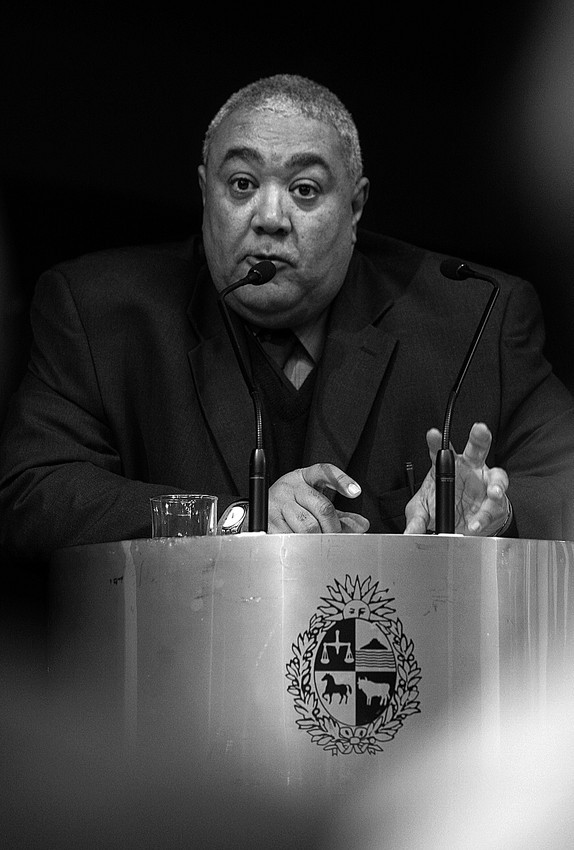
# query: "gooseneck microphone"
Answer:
x=260 y=273
x=258 y=485
x=445 y=461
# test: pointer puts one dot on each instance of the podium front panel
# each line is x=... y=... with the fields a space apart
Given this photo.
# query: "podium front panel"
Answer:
x=309 y=664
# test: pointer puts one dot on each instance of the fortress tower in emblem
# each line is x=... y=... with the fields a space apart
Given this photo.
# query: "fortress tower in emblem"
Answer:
x=353 y=673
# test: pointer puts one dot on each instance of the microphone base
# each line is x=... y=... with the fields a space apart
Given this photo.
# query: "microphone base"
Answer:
x=258 y=492
x=444 y=489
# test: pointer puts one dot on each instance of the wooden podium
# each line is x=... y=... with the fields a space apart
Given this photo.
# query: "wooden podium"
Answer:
x=303 y=667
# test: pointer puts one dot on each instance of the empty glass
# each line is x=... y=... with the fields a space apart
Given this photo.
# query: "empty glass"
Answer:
x=183 y=515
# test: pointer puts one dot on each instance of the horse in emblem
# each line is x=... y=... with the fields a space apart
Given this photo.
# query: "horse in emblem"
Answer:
x=332 y=688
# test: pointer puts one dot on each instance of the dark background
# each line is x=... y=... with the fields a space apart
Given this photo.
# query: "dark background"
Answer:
x=465 y=113
x=461 y=112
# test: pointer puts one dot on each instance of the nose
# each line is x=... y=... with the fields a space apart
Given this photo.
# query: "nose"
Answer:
x=271 y=211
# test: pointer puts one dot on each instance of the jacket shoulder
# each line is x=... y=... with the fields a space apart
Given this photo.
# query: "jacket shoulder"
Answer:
x=383 y=251
x=405 y=263
x=127 y=268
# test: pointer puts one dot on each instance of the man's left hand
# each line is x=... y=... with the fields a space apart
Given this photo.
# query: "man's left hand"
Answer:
x=481 y=503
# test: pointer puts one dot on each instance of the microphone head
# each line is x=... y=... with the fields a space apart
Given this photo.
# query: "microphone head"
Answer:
x=262 y=272
x=455 y=269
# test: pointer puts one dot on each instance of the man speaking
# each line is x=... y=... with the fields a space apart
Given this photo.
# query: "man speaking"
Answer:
x=133 y=388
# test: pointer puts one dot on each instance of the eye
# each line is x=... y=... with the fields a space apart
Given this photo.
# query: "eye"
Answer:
x=241 y=185
x=306 y=191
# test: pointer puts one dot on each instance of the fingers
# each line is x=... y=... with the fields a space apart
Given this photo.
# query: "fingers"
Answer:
x=496 y=483
x=416 y=525
x=305 y=523
x=311 y=516
x=417 y=514
x=300 y=502
x=478 y=445
x=314 y=511
x=434 y=442
x=493 y=511
x=324 y=476
x=353 y=523
x=476 y=449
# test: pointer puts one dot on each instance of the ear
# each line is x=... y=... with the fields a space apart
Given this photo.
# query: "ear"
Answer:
x=201 y=174
x=358 y=201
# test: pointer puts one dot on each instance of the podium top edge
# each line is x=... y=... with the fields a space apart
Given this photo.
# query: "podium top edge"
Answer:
x=360 y=540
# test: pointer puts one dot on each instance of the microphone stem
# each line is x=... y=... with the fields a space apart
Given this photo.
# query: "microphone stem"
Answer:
x=258 y=484
x=469 y=355
x=445 y=460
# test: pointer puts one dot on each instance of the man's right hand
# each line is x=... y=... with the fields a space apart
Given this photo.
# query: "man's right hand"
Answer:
x=300 y=502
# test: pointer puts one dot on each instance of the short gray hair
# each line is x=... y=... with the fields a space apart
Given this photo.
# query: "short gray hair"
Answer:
x=302 y=97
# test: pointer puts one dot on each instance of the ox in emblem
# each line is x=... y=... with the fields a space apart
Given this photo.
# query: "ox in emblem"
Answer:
x=353 y=674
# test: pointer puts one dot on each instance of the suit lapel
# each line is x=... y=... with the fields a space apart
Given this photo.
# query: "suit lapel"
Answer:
x=223 y=396
x=354 y=362
x=352 y=369
x=226 y=404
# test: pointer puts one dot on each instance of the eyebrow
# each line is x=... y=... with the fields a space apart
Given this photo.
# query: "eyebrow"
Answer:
x=306 y=160
x=298 y=160
x=242 y=153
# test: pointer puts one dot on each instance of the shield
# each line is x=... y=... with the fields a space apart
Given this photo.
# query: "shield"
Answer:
x=355 y=671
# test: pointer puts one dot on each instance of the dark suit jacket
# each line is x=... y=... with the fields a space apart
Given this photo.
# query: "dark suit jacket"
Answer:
x=133 y=390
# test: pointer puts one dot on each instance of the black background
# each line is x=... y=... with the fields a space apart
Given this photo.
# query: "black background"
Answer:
x=103 y=112
x=465 y=115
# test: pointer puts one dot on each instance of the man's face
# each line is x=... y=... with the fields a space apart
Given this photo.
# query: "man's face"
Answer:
x=276 y=187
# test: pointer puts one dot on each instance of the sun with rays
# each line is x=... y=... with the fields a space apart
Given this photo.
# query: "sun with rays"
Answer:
x=356 y=599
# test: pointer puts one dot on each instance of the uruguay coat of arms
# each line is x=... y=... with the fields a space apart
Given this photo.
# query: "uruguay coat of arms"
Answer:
x=353 y=674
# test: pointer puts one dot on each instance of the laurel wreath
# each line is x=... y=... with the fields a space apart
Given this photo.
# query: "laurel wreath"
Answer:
x=325 y=730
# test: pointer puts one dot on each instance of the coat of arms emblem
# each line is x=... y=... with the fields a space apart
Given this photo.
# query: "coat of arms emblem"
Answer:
x=353 y=674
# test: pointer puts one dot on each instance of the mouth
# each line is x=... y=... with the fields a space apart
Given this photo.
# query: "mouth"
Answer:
x=277 y=259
